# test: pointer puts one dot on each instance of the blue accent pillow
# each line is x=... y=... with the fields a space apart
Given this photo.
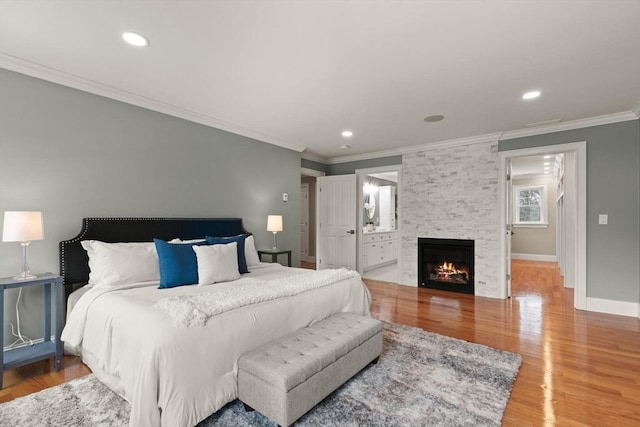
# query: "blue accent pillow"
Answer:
x=239 y=239
x=178 y=263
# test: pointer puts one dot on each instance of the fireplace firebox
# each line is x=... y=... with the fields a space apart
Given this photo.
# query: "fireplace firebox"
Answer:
x=446 y=264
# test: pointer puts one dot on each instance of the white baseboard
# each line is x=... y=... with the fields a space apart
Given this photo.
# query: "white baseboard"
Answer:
x=535 y=257
x=621 y=308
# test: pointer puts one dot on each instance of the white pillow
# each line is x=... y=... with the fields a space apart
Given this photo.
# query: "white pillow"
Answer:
x=117 y=264
x=250 y=253
x=217 y=263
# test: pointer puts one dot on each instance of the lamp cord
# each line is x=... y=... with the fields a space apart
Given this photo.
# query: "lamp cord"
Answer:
x=23 y=339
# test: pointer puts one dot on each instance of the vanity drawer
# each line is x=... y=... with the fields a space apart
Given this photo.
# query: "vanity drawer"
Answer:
x=369 y=238
x=378 y=248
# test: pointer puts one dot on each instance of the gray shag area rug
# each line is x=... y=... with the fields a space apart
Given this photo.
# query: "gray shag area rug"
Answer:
x=421 y=379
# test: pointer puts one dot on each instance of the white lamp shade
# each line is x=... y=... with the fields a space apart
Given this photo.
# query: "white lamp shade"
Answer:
x=21 y=226
x=274 y=223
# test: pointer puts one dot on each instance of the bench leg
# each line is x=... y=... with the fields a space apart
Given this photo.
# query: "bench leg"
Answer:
x=250 y=409
x=375 y=361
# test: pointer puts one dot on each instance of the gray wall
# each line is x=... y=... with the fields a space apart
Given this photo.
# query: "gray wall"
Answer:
x=613 y=188
x=536 y=240
x=310 y=164
x=72 y=154
x=351 y=167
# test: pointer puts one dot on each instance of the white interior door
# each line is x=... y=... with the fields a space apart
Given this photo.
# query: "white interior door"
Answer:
x=304 y=222
x=509 y=225
x=336 y=222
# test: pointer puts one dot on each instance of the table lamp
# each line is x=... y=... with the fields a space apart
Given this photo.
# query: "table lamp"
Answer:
x=274 y=224
x=23 y=227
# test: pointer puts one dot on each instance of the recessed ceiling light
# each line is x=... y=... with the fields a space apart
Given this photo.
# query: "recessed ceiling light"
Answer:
x=347 y=133
x=531 y=95
x=548 y=156
x=135 y=39
x=345 y=146
x=434 y=118
x=547 y=163
x=546 y=172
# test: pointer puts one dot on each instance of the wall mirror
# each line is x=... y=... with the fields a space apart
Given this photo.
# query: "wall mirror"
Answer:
x=370 y=206
x=380 y=207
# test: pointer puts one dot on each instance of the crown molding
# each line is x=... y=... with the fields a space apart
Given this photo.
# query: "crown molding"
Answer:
x=499 y=136
x=314 y=157
x=573 y=124
x=18 y=65
x=21 y=66
x=495 y=137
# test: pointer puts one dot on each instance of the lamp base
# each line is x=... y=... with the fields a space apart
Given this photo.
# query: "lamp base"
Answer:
x=24 y=271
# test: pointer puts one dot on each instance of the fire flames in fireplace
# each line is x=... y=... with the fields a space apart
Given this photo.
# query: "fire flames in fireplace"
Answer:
x=448 y=272
x=446 y=264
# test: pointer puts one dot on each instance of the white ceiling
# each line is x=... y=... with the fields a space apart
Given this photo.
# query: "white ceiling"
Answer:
x=297 y=73
x=532 y=165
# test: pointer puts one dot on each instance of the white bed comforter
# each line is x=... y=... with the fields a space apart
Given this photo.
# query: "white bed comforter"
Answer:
x=178 y=375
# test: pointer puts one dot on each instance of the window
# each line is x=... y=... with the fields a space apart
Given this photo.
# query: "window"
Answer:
x=530 y=205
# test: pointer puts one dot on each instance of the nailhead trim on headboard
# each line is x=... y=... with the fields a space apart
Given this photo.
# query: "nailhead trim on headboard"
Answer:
x=145 y=230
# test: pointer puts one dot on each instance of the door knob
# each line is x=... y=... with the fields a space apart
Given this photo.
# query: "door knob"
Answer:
x=351 y=232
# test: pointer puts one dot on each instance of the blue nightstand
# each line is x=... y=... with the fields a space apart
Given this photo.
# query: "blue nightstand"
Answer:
x=42 y=350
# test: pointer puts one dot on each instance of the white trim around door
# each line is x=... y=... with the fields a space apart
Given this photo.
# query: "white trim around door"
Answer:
x=304 y=222
x=580 y=150
x=311 y=172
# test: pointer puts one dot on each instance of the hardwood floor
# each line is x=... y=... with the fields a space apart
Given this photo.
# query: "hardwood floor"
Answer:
x=38 y=376
x=579 y=368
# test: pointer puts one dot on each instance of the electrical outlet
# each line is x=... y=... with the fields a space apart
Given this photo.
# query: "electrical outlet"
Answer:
x=603 y=219
x=285 y=197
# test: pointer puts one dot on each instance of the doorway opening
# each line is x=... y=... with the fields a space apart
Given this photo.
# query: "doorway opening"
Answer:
x=543 y=215
x=308 y=215
x=379 y=223
x=543 y=219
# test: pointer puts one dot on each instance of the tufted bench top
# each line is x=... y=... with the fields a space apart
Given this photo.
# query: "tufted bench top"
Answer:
x=291 y=360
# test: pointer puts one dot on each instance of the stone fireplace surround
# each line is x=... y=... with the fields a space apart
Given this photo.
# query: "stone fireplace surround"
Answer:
x=451 y=192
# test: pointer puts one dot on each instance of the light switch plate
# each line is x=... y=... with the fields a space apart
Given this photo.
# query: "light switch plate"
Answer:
x=285 y=197
x=603 y=219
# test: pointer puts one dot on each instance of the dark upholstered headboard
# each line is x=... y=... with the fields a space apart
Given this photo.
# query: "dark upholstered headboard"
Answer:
x=74 y=262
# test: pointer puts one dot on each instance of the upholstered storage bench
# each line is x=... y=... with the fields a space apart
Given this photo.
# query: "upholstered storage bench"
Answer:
x=287 y=377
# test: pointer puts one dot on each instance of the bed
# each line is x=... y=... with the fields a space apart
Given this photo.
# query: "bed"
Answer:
x=176 y=373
